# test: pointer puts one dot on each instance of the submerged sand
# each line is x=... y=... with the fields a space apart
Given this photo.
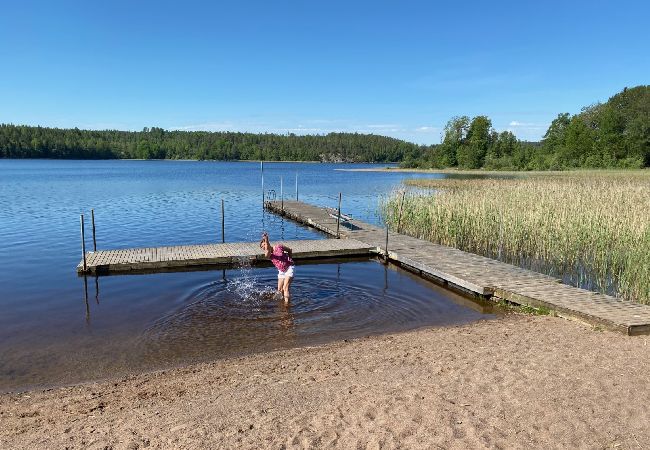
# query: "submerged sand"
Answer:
x=514 y=382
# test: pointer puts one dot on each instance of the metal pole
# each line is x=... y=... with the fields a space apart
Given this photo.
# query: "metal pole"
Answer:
x=83 y=241
x=262 y=169
x=399 y=217
x=338 y=219
x=223 y=224
x=296 y=186
x=92 y=214
x=281 y=194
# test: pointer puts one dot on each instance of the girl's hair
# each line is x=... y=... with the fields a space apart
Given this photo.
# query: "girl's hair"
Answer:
x=288 y=250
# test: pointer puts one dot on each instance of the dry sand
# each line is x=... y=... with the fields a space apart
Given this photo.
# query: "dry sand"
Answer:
x=514 y=382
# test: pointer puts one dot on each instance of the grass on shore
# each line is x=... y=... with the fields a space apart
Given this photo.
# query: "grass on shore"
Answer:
x=590 y=228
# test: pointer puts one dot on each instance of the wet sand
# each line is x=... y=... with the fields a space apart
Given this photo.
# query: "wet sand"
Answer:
x=515 y=382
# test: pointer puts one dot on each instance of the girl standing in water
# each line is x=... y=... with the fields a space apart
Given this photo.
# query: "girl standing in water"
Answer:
x=280 y=256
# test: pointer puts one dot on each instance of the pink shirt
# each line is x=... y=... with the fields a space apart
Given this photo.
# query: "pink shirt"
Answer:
x=280 y=258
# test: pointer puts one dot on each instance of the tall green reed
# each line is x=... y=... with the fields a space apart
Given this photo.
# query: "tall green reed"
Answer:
x=592 y=229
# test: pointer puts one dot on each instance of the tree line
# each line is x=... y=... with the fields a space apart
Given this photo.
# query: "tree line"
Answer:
x=615 y=134
x=18 y=141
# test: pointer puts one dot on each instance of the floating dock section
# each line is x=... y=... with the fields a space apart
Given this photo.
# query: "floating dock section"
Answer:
x=184 y=256
x=474 y=273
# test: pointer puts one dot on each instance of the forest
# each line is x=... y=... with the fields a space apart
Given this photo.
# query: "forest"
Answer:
x=615 y=134
x=156 y=143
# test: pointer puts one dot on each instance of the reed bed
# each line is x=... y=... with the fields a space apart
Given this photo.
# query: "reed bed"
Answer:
x=592 y=229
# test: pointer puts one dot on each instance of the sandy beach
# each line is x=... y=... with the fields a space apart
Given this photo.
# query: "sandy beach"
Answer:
x=514 y=382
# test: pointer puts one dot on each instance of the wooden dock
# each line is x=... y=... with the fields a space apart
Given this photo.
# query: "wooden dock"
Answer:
x=477 y=274
x=143 y=259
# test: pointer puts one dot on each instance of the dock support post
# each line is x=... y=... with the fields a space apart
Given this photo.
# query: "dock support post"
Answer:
x=399 y=216
x=281 y=194
x=223 y=224
x=262 y=170
x=296 y=186
x=83 y=242
x=386 y=248
x=92 y=214
x=338 y=219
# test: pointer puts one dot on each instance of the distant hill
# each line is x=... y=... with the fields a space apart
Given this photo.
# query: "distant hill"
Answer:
x=19 y=141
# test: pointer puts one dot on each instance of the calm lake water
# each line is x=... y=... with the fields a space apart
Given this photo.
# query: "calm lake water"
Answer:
x=50 y=334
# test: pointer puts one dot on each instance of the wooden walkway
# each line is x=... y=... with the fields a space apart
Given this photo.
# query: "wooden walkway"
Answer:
x=134 y=259
x=477 y=274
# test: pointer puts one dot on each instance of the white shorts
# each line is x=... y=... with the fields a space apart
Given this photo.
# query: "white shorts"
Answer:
x=287 y=274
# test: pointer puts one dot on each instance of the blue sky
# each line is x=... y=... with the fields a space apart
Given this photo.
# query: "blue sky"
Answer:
x=399 y=69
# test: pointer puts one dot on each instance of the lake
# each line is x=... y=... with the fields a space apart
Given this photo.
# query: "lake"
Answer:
x=57 y=328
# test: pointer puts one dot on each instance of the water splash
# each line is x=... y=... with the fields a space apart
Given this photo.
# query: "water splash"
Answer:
x=246 y=287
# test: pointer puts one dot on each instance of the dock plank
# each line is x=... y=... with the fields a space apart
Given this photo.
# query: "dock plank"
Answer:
x=122 y=260
x=478 y=274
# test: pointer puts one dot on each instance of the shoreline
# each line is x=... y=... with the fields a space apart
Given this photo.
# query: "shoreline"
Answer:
x=192 y=364
x=516 y=381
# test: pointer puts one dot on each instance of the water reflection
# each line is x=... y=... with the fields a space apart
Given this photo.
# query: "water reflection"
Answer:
x=86 y=299
x=85 y=292
x=48 y=336
x=97 y=289
x=197 y=316
x=287 y=322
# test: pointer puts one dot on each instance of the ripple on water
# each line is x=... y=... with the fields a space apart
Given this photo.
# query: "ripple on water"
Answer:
x=241 y=315
x=51 y=332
